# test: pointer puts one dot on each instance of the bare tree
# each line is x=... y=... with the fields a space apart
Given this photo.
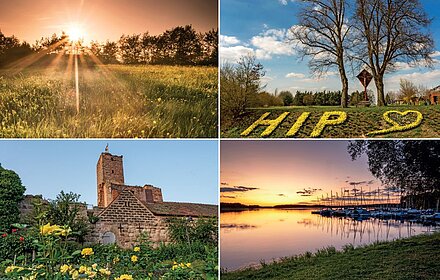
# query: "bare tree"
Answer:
x=408 y=91
x=391 y=32
x=322 y=34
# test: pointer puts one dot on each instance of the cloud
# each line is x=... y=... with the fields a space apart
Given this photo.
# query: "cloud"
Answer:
x=308 y=191
x=285 y=2
x=429 y=79
x=295 y=75
x=228 y=40
x=354 y=183
x=228 y=196
x=436 y=54
x=233 y=54
x=237 y=189
x=281 y=194
x=272 y=42
x=264 y=46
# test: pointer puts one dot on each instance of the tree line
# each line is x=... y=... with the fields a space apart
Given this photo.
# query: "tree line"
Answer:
x=181 y=45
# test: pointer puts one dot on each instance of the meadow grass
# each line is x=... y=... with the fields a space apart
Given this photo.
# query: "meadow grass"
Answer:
x=116 y=101
x=360 y=121
x=405 y=259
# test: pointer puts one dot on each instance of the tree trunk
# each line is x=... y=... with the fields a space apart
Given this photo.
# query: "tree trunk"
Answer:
x=380 y=90
x=344 y=81
x=344 y=96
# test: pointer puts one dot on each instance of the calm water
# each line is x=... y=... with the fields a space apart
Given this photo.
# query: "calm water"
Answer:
x=251 y=236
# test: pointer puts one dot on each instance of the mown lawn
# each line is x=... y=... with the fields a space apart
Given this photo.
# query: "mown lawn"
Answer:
x=360 y=121
x=415 y=258
x=116 y=101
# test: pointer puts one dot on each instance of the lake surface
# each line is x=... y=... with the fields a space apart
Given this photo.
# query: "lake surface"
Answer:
x=249 y=237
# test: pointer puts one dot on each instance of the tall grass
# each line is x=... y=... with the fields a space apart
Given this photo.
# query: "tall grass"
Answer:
x=115 y=101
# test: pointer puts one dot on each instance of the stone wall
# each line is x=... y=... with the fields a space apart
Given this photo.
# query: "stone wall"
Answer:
x=127 y=218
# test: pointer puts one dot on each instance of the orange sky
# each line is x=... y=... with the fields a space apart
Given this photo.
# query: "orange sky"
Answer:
x=103 y=19
x=272 y=172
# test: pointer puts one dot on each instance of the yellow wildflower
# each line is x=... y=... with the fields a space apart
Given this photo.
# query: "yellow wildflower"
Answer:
x=64 y=268
x=188 y=265
x=134 y=258
x=136 y=249
x=124 y=277
x=75 y=274
x=94 y=266
x=104 y=271
x=87 y=252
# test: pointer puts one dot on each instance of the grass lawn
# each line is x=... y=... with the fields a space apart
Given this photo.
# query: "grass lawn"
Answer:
x=360 y=121
x=406 y=259
x=116 y=101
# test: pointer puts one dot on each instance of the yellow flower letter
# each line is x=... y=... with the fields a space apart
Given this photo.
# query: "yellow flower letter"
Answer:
x=297 y=125
x=325 y=121
x=273 y=124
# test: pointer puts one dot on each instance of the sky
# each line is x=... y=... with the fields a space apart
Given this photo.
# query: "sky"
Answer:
x=272 y=172
x=260 y=27
x=186 y=170
x=103 y=19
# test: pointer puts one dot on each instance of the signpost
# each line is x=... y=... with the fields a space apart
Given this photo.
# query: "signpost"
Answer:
x=365 y=78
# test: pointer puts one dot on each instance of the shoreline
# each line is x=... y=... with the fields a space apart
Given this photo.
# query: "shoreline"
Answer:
x=408 y=258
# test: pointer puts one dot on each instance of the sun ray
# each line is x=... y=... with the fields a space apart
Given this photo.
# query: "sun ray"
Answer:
x=26 y=61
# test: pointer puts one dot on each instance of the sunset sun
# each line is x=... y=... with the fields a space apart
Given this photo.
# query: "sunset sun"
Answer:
x=75 y=32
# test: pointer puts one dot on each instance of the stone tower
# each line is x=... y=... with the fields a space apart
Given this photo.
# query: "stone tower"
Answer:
x=109 y=170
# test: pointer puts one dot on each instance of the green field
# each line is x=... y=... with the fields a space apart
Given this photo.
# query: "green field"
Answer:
x=115 y=101
x=360 y=121
x=416 y=258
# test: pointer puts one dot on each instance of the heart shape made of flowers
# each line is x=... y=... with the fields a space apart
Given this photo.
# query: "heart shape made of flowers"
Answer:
x=395 y=125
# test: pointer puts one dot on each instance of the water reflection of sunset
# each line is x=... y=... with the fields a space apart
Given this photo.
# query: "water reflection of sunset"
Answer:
x=247 y=237
x=289 y=172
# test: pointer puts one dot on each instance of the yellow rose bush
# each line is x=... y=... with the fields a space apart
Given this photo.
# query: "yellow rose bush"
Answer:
x=57 y=256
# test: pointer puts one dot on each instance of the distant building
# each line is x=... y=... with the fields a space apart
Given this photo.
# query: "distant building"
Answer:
x=434 y=96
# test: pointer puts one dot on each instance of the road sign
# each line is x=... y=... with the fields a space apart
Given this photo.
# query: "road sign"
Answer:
x=365 y=77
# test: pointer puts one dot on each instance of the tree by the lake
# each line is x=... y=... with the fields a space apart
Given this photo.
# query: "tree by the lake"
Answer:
x=389 y=33
x=322 y=35
x=410 y=166
x=11 y=194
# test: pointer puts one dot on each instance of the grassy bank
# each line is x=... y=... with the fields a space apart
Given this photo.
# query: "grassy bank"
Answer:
x=405 y=259
x=360 y=121
x=115 y=101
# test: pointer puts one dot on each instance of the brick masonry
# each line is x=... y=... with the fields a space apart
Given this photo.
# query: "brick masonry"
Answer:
x=127 y=211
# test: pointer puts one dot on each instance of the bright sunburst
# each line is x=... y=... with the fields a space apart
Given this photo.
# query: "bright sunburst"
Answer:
x=75 y=32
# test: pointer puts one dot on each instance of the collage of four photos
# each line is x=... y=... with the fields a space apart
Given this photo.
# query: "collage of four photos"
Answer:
x=220 y=139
